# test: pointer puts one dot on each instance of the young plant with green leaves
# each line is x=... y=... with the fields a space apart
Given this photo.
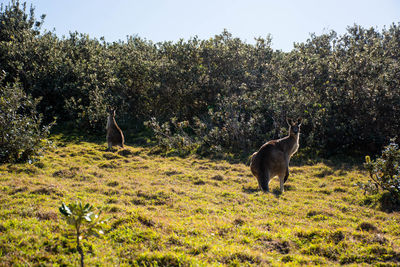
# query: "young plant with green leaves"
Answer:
x=84 y=223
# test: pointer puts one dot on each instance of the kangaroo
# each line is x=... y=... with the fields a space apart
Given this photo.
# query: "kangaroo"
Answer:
x=273 y=157
x=114 y=133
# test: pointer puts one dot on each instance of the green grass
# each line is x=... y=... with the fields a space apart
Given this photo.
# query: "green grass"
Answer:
x=171 y=211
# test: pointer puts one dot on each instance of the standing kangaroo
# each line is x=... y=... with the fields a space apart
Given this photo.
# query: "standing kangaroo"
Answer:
x=114 y=133
x=273 y=157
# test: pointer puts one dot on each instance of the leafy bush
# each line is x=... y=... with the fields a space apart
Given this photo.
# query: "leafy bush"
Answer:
x=237 y=124
x=21 y=134
x=385 y=175
x=234 y=95
x=173 y=137
x=385 y=170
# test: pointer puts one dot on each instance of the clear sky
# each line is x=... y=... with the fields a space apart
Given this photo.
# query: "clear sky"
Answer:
x=287 y=21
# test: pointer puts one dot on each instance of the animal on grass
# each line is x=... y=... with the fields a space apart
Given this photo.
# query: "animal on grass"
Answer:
x=272 y=159
x=115 y=137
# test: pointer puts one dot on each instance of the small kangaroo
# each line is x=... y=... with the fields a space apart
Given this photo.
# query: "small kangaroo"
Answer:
x=114 y=133
x=273 y=157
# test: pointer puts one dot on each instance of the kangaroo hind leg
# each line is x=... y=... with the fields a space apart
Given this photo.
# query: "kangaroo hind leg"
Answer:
x=263 y=180
x=286 y=175
x=282 y=179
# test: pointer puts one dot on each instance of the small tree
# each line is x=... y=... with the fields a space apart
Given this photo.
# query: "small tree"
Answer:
x=84 y=223
x=385 y=170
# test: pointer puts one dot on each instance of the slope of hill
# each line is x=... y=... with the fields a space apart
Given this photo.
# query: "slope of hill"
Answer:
x=189 y=211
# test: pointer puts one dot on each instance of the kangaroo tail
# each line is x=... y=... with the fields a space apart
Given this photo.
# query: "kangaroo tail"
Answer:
x=254 y=164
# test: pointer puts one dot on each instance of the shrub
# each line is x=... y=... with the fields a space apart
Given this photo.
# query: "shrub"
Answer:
x=385 y=175
x=21 y=133
x=173 y=137
x=342 y=85
x=234 y=125
x=385 y=170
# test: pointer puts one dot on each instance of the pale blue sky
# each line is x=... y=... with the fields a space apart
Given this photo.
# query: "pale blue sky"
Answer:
x=287 y=21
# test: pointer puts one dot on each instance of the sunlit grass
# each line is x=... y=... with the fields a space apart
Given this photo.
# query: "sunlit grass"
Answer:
x=189 y=211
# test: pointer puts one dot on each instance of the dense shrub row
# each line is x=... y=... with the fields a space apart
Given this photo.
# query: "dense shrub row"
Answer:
x=225 y=93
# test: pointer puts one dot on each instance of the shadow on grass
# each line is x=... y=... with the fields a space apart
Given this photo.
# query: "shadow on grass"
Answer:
x=141 y=136
x=336 y=160
x=250 y=190
x=385 y=201
x=66 y=135
x=277 y=192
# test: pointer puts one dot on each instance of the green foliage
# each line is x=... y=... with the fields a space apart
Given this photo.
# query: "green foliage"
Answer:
x=234 y=95
x=229 y=127
x=385 y=170
x=173 y=136
x=18 y=31
x=84 y=223
x=21 y=134
x=385 y=175
x=82 y=219
x=14 y=21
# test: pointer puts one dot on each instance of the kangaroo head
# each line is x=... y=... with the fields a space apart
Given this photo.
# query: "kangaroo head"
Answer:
x=294 y=126
x=111 y=111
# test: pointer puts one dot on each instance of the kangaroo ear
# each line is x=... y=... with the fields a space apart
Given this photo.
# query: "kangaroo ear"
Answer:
x=299 y=120
x=289 y=121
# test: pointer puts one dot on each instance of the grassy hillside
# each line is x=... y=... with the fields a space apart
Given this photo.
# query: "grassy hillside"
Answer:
x=174 y=211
